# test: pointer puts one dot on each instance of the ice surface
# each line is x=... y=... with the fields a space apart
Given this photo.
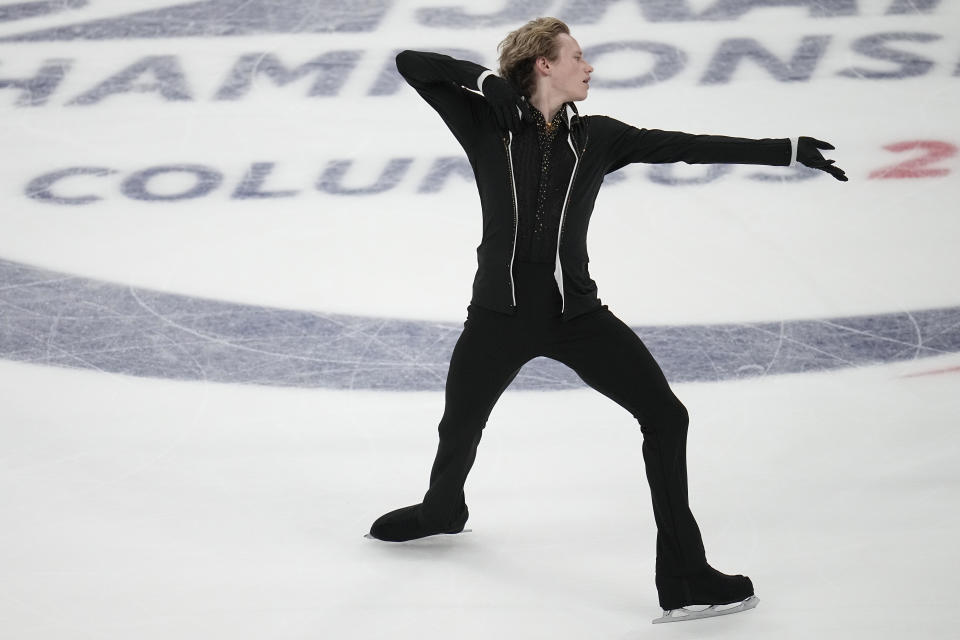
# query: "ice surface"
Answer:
x=235 y=254
x=56 y=319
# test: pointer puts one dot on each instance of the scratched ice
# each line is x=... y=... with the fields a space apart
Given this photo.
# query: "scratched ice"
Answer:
x=55 y=319
x=211 y=18
x=138 y=508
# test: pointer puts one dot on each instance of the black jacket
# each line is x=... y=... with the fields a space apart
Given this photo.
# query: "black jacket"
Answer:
x=600 y=146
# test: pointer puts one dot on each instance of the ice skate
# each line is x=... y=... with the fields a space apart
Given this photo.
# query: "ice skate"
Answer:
x=408 y=523
x=705 y=594
x=706 y=611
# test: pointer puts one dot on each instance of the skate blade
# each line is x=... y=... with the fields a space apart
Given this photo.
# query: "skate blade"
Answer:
x=370 y=537
x=712 y=611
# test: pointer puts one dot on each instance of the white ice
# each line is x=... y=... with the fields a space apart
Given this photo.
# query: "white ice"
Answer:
x=158 y=509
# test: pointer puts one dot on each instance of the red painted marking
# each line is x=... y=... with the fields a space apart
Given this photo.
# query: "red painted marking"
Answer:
x=936 y=150
x=933 y=373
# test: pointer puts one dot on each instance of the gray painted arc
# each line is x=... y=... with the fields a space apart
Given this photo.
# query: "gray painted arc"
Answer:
x=223 y=18
x=61 y=320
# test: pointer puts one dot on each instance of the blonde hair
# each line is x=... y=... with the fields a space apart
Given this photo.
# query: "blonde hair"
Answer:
x=521 y=48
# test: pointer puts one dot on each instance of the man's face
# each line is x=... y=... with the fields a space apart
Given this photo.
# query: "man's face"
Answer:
x=570 y=73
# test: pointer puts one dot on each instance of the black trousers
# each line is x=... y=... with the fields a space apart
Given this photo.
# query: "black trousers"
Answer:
x=609 y=357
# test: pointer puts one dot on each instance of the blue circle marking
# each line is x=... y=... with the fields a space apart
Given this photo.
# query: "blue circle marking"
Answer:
x=68 y=321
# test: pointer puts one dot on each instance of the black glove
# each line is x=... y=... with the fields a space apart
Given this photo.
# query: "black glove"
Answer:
x=506 y=102
x=808 y=154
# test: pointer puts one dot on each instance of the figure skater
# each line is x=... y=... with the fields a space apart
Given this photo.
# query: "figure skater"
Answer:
x=539 y=165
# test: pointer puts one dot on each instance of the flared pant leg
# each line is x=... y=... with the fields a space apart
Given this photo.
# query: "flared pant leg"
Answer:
x=612 y=359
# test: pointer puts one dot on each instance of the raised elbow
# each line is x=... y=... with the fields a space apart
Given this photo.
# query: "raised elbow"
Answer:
x=405 y=61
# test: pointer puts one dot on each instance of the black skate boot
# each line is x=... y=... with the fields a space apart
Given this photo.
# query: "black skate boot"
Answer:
x=408 y=523
x=707 y=592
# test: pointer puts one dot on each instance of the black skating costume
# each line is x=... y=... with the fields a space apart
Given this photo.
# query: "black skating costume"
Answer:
x=533 y=296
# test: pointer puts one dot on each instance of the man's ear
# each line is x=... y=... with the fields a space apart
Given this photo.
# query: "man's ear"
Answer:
x=543 y=65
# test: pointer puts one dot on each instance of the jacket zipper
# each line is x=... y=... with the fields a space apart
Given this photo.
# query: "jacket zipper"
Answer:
x=558 y=270
x=516 y=218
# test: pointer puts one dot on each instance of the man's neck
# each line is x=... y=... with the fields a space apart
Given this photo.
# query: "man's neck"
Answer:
x=546 y=105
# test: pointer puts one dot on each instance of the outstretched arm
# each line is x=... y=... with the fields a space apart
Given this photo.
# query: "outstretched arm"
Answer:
x=629 y=144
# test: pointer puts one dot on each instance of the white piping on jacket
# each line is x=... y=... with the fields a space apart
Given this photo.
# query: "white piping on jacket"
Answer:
x=558 y=270
x=516 y=216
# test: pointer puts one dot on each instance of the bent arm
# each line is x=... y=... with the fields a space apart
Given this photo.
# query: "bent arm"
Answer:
x=423 y=68
x=441 y=81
